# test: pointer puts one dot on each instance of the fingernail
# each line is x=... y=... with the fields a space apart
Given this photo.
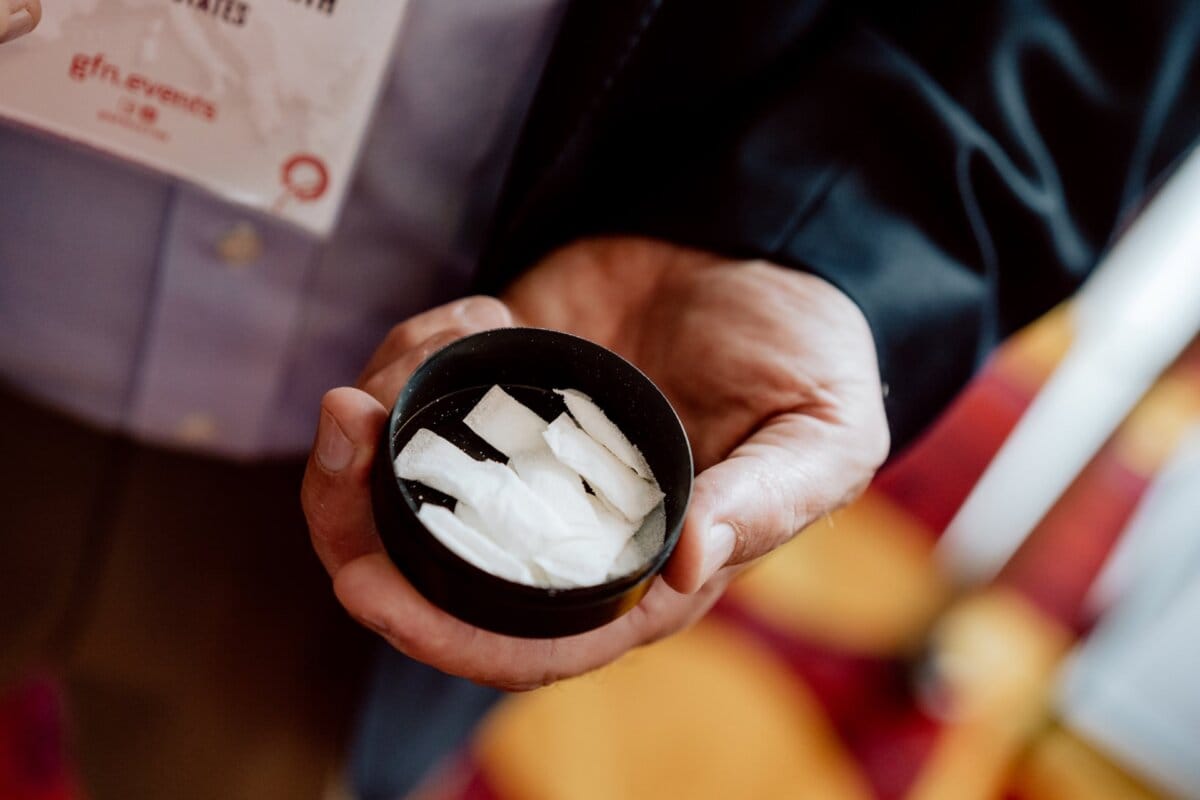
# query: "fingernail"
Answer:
x=334 y=449
x=718 y=547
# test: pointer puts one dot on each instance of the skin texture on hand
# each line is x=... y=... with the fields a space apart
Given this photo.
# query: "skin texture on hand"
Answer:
x=772 y=372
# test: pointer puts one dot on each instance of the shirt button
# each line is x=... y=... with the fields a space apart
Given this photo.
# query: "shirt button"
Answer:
x=197 y=428
x=240 y=246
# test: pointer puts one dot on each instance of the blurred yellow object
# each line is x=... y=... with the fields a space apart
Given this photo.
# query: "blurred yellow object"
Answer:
x=1157 y=424
x=1061 y=766
x=994 y=659
x=1031 y=354
x=862 y=580
x=709 y=713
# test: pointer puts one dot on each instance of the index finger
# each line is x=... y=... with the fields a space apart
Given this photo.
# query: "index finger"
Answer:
x=475 y=313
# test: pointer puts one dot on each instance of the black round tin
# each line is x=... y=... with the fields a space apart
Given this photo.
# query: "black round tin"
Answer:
x=529 y=363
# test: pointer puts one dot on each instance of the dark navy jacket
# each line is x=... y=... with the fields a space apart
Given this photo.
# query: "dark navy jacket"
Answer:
x=956 y=167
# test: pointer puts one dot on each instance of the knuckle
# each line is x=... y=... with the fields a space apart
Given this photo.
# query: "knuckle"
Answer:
x=659 y=616
x=443 y=338
x=377 y=386
x=669 y=626
x=321 y=527
x=484 y=309
x=781 y=489
x=329 y=401
x=521 y=683
x=424 y=350
x=399 y=338
x=313 y=493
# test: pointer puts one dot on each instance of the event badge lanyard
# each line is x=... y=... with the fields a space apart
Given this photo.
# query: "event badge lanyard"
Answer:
x=261 y=102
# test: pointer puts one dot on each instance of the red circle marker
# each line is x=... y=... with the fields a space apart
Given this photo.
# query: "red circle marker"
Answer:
x=305 y=177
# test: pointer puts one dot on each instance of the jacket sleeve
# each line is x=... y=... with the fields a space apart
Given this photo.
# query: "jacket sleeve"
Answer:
x=955 y=168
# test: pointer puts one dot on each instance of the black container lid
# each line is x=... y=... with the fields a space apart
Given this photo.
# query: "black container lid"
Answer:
x=530 y=363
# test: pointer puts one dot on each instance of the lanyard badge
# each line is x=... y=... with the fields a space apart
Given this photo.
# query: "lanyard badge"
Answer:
x=262 y=102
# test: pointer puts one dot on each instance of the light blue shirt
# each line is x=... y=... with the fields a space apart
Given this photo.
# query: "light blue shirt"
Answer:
x=143 y=305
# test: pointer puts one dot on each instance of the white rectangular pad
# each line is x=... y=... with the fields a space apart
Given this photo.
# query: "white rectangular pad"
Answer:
x=596 y=424
x=471 y=545
x=506 y=424
x=517 y=520
x=604 y=472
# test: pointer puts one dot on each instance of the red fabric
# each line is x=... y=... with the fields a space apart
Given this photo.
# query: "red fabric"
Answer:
x=933 y=477
x=1064 y=554
x=866 y=699
x=32 y=751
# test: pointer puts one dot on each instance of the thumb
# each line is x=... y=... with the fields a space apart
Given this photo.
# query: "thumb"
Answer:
x=336 y=493
x=792 y=471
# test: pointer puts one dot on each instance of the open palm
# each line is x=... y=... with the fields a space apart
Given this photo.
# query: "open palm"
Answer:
x=772 y=371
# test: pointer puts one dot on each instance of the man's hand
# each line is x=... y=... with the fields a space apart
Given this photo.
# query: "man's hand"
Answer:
x=772 y=371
